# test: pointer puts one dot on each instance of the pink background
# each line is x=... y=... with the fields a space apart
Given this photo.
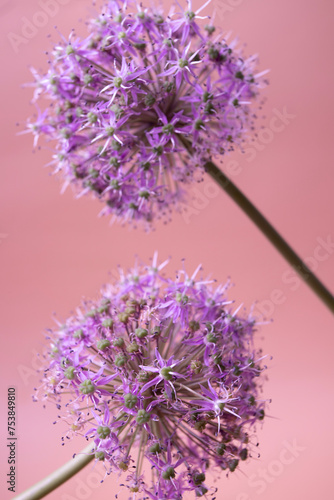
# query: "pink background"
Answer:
x=54 y=249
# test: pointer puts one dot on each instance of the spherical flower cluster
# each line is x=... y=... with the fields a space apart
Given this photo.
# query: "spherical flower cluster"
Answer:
x=140 y=105
x=162 y=372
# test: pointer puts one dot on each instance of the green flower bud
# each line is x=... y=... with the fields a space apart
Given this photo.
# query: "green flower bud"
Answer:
x=145 y=165
x=87 y=387
x=99 y=455
x=210 y=337
x=168 y=129
x=92 y=117
x=155 y=448
x=110 y=131
x=236 y=371
x=201 y=490
x=107 y=323
x=103 y=344
x=209 y=29
x=168 y=473
x=143 y=376
x=133 y=347
x=251 y=400
x=165 y=372
x=196 y=366
x=221 y=447
x=69 y=373
x=181 y=298
x=93 y=173
x=233 y=464
x=91 y=314
x=199 y=124
x=103 y=432
x=194 y=326
x=78 y=334
x=190 y=15
x=183 y=63
x=130 y=400
x=149 y=100
x=144 y=194
x=120 y=360
x=141 y=333
x=158 y=150
x=69 y=50
x=142 y=417
x=200 y=425
x=123 y=317
x=198 y=478
x=140 y=45
x=88 y=79
x=156 y=331
x=114 y=162
x=117 y=81
x=118 y=342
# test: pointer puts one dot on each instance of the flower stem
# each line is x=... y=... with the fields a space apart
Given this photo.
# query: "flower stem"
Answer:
x=58 y=477
x=270 y=232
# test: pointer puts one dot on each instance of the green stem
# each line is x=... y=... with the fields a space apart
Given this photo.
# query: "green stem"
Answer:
x=58 y=477
x=268 y=230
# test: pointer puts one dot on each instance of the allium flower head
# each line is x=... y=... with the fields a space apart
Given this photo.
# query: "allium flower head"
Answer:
x=159 y=372
x=140 y=105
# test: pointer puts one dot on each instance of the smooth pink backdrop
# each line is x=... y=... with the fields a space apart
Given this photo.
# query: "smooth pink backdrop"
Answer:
x=54 y=249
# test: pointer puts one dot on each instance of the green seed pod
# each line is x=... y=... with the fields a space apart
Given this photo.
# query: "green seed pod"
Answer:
x=194 y=325
x=233 y=464
x=142 y=417
x=165 y=372
x=220 y=449
x=130 y=400
x=155 y=448
x=198 y=478
x=107 y=323
x=211 y=337
x=87 y=387
x=99 y=455
x=78 y=334
x=123 y=466
x=133 y=347
x=118 y=342
x=168 y=473
x=103 y=344
x=120 y=360
x=69 y=373
x=196 y=366
x=141 y=333
x=103 y=431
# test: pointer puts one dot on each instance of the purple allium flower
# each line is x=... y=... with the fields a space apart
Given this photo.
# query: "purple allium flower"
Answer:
x=180 y=392
x=140 y=105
